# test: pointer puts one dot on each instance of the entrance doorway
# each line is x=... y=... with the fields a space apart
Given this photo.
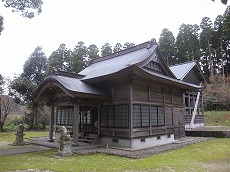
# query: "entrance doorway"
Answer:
x=178 y=122
x=88 y=118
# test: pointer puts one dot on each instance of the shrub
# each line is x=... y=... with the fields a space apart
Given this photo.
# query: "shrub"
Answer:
x=12 y=124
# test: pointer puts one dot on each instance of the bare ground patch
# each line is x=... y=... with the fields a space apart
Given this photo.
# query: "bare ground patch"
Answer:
x=220 y=167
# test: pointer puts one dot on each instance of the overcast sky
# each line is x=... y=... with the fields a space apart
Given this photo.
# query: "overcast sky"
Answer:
x=95 y=22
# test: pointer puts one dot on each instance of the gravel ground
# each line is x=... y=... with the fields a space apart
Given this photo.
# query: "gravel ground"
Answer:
x=4 y=144
x=142 y=152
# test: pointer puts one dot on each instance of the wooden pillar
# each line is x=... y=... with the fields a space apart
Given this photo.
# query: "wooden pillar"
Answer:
x=149 y=100
x=189 y=104
x=130 y=111
x=149 y=94
x=131 y=120
x=99 y=120
x=183 y=100
x=202 y=102
x=51 y=125
x=150 y=121
x=75 y=125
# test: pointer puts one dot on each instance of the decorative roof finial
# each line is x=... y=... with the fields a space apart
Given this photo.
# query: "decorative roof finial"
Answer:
x=153 y=41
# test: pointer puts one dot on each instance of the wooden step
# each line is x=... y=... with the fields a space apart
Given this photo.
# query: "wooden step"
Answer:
x=88 y=138
x=85 y=140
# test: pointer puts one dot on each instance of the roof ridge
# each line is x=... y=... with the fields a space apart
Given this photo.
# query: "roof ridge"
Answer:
x=68 y=74
x=146 y=44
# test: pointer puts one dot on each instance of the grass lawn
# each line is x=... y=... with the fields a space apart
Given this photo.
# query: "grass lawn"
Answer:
x=213 y=155
x=9 y=137
x=217 y=118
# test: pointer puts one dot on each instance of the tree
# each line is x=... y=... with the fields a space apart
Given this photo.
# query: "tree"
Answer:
x=206 y=36
x=27 y=8
x=24 y=85
x=1 y=24
x=187 y=43
x=75 y=62
x=226 y=41
x=35 y=66
x=216 y=44
x=106 y=49
x=128 y=45
x=33 y=74
x=92 y=52
x=167 y=46
x=216 y=93
x=6 y=104
x=64 y=59
x=117 y=47
x=57 y=60
x=223 y=1
x=1 y=83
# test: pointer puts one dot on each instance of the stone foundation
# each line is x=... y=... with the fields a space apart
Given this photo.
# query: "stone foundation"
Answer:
x=137 y=142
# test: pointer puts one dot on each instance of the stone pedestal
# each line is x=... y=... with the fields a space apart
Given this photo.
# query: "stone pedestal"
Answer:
x=65 y=149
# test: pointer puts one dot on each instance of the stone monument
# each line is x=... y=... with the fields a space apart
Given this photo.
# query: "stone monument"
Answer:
x=19 y=135
x=65 y=146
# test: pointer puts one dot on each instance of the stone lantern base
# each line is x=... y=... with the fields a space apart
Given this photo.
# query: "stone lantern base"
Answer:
x=19 y=140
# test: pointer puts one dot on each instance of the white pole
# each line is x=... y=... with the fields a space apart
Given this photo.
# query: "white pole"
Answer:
x=195 y=110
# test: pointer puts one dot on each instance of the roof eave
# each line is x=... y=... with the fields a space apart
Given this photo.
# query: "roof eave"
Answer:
x=163 y=79
x=49 y=83
x=141 y=72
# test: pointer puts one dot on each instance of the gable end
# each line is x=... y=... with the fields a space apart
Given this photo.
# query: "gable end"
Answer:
x=192 y=78
x=154 y=66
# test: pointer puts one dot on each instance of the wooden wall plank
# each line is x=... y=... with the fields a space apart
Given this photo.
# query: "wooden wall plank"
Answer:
x=121 y=93
x=140 y=92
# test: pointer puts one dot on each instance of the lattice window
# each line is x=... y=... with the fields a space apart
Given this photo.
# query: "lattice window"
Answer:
x=140 y=116
x=157 y=116
x=115 y=116
x=64 y=116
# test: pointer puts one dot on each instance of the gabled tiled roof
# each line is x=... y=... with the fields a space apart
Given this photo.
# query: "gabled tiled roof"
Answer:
x=181 y=70
x=117 y=65
x=117 y=61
